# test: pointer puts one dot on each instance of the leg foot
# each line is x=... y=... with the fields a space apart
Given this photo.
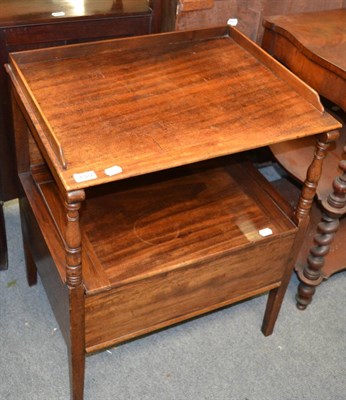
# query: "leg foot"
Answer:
x=312 y=276
x=335 y=207
x=76 y=346
x=273 y=307
x=304 y=295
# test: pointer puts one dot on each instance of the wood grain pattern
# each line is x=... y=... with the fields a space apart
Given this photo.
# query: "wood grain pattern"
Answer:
x=140 y=292
x=313 y=45
x=294 y=82
x=191 y=5
x=164 y=299
x=157 y=248
x=30 y=24
x=249 y=13
x=321 y=36
x=166 y=103
x=156 y=237
x=314 y=51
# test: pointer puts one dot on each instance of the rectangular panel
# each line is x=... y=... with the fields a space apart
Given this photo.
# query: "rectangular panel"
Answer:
x=162 y=300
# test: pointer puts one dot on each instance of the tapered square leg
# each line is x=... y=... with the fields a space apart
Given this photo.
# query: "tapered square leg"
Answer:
x=76 y=345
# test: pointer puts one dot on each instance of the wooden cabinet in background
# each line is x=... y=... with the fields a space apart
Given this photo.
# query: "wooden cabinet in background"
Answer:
x=191 y=14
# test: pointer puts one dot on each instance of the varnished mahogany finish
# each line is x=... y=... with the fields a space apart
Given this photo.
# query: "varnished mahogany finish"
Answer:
x=32 y=24
x=192 y=14
x=334 y=207
x=176 y=231
x=115 y=98
x=313 y=45
x=27 y=25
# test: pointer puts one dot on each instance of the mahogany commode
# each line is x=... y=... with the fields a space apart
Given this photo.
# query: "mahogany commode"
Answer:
x=140 y=213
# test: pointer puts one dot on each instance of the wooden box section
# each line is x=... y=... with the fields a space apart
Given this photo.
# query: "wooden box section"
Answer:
x=165 y=247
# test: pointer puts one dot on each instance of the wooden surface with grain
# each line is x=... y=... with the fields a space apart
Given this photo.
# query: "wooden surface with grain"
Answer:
x=212 y=108
x=313 y=46
x=185 y=251
x=156 y=237
x=250 y=13
x=44 y=23
x=188 y=231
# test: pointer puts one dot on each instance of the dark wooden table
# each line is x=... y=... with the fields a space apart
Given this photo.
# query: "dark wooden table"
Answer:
x=313 y=46
x=43 y=23
x=136 y=211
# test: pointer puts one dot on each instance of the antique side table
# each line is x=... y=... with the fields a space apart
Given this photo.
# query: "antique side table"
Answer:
x=43 y=23
x=138 y=208
x=313 y=46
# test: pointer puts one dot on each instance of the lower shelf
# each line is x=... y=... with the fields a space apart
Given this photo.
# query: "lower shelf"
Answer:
x=163 y=248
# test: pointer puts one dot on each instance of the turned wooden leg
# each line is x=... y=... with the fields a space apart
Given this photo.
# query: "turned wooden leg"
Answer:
x=3 y=242
x=312 y=274
x=301 y=217
x=74 y=281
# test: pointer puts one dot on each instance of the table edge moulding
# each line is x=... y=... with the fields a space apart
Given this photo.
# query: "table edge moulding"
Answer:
x=170 y=221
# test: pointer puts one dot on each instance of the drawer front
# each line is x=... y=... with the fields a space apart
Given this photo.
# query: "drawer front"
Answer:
x=62 y=33
x=138 y=308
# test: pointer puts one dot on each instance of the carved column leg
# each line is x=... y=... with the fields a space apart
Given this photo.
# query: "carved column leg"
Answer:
x=301 y=217
x=74 y=281
x=335 y=207
x=3 y=242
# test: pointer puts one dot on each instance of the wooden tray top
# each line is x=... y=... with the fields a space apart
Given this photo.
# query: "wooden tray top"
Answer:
x=149 y=103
